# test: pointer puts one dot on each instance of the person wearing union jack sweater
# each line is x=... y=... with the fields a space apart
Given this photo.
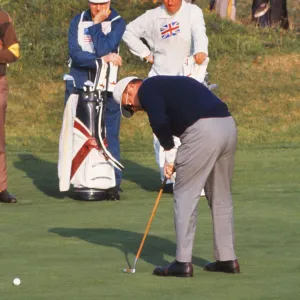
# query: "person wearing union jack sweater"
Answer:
x=93 y=34
x=176 y=39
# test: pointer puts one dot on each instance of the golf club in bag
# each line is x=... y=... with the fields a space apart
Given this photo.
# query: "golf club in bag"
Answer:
x=199 y=72
x=83 y=138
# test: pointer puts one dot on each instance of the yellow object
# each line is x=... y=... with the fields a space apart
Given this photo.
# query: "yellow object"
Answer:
x=151 y=218
x=229 y=8
x=15 y=49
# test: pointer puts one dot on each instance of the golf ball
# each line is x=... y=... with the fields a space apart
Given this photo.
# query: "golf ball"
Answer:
x=16 y=281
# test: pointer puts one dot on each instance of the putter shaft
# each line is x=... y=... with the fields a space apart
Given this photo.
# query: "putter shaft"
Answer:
x=147 y=228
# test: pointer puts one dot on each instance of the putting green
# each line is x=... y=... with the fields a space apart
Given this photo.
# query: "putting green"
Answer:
x=64 y=249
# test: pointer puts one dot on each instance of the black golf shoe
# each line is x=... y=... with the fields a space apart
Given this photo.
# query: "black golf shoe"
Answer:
x=175 y=269
x=6 y=197
x=228 y=266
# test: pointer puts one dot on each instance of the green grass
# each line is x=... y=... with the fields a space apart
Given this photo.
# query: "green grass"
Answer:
x=64 y=249
x=257 y=70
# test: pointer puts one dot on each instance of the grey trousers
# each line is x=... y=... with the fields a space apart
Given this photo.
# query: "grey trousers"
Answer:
x=205 y=159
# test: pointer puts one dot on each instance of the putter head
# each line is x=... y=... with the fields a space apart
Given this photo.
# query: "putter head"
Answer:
x=131 y=271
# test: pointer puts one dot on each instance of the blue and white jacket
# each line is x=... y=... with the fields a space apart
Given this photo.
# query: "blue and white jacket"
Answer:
x=83 y=61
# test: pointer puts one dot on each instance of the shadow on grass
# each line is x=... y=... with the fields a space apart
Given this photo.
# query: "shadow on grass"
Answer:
x=127 y=242
x=147 y=178
x=42 y=172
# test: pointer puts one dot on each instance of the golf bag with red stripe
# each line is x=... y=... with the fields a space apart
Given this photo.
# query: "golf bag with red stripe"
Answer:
x=84 y=160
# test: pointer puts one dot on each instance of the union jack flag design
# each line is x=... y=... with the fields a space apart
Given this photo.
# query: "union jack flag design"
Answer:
x=86 y=35
x=169 y=30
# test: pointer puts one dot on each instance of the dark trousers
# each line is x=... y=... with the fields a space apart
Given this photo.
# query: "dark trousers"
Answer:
x=3 y=105
x=113 y=120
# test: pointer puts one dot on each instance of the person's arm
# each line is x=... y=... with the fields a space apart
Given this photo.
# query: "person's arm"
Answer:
x=10 y=49
x=199 y=36
x=79 y=57
x=105 y=44
x=136 y=30
x=154 y=105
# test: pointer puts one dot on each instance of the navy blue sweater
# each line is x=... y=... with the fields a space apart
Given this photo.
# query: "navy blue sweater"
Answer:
x=173 y=103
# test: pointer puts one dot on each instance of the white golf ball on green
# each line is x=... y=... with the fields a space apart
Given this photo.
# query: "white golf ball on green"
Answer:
x=17 y=281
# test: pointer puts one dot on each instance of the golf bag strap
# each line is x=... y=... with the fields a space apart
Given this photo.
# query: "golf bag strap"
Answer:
x=91 y=143
x=82 y=153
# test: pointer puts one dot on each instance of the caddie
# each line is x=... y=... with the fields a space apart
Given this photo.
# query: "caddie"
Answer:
x=93 y=34
x=182 y=107
x=176 y=36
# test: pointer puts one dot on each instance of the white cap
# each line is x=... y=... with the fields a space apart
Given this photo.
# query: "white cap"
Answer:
x=118 y=92
x=99 y=1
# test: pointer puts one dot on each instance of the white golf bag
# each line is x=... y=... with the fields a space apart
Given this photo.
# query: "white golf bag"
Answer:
x=84 y=161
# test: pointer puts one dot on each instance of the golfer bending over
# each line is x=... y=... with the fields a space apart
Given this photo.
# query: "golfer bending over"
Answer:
x=183 y=107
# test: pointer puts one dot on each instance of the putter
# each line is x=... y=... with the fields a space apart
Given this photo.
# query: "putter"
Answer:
x=133 y=270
